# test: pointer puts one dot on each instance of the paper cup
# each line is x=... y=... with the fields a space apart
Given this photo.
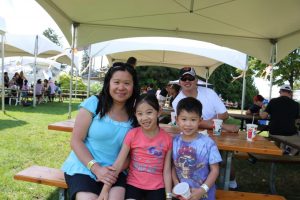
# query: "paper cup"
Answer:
x=173 y=117
x=217 y=128
x=251 y=131
x=182 y=190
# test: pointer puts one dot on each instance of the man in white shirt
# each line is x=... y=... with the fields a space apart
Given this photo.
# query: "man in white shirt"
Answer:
x=213 y=107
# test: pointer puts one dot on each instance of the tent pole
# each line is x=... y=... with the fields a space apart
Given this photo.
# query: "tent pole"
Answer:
x=244 y=86
x=206 y=76
x=89 y=74
x=273 y=61
x=2 y=74
x=34 y=69
x=74 y=39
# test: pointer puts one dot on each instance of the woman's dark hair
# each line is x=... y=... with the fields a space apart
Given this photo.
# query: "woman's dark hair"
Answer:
x=149 y=99
x=105 y=100
x=189 y=104
x=39 y=81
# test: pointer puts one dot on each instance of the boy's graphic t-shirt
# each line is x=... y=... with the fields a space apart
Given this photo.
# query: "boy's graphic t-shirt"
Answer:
x=192 y=160
x=147 y=156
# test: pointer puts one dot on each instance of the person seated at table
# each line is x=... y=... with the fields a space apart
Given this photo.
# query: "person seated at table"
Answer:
x=196 y=157
x=213 y=107
x=256 y=106
x=283 y=112
x=173 y=92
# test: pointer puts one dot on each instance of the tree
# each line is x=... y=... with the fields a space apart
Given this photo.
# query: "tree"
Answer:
x=288 y=69
x=158 y=75
x=222 y=79
x=51 y=35
x=85 y=61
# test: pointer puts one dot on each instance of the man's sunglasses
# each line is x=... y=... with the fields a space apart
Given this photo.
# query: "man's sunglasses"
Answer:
x=187 y=78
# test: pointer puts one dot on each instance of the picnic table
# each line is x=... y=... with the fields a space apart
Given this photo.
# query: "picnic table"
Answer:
x=243 y=117
x=226 y=142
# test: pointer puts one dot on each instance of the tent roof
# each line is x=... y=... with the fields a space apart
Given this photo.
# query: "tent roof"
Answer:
x=170 y=52
x=248 y=26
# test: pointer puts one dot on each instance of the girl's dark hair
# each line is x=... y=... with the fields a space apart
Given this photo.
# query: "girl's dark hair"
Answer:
x=149 y=99
x=189 y=104
x=105 y=100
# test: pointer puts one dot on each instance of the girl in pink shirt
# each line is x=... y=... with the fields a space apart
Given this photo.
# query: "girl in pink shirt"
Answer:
x=149 y=148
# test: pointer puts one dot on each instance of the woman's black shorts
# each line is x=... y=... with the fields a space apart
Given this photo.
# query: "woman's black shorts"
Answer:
x=84 y=183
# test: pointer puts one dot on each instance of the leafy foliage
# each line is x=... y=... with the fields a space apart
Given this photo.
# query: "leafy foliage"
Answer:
x=85 y=61
x=64 y=80
x=158 y=75
x=288 y=69
x=51 y=35
x=222 y=79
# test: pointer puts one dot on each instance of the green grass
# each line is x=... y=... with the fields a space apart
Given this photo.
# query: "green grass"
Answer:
x=25 y=141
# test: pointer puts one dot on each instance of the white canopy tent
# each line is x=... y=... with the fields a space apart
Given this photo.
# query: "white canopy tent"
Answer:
x=27 y=45
x=267 y=30
x=253 y=27
x=171 y=52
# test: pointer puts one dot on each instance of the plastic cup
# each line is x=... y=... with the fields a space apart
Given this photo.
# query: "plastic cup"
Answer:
x=251 y=131
x=173 y=117
x=217 y=129
x=182 y=190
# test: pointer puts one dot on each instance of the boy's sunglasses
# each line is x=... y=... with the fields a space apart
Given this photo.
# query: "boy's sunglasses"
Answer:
x=187 y=78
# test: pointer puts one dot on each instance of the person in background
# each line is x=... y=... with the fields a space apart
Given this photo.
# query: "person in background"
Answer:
x=256 y=106
x=51 y=88
x=132 y=61
x=39 y=90
x=25 y=90
x=173 y=92
x=150 y=89
x=196 y=157
x=100 y=128
x=6 y=80
x=283 y=112
x=149 y=147
x=18 y=80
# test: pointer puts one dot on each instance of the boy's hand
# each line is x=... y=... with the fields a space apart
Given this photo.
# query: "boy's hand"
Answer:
x=196 y=194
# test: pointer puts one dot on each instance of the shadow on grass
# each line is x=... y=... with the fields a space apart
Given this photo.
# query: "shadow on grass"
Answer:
x=50 y=107
x=6 y=123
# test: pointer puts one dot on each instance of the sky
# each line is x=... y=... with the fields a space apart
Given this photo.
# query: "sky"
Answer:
x=27 y=17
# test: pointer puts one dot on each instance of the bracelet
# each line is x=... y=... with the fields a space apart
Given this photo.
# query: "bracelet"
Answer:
x=204 y=187
x=168 y=195
x=90 y=164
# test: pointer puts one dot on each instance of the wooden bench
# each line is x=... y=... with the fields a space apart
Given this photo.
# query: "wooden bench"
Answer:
x=253 y=158
x=55 y=177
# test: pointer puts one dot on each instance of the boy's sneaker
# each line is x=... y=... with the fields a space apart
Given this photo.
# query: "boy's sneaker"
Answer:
x=233 y=185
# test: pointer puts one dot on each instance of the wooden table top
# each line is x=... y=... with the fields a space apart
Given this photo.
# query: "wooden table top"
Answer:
x=227 y=141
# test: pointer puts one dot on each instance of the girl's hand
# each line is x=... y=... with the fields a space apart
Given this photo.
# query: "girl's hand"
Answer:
x=106 y=175
x=103 y=195
x=196 y=194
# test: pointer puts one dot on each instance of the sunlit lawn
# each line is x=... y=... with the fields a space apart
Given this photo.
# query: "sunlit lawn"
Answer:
x=25 y=141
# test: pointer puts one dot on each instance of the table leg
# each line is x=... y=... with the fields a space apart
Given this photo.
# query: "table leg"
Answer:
x=225 y=169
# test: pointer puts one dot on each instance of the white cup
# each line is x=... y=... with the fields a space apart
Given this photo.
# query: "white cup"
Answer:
x=173 y=117
x=182 y=190
x=251 y=131
x=217 y=129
